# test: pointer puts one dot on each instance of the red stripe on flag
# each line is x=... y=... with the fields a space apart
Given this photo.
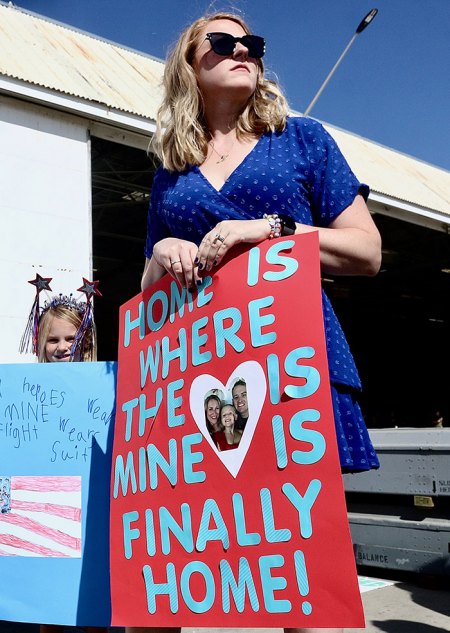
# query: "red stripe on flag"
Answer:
x=14 y=541
x=46 y=484
x=42 y=530
x=67 y=512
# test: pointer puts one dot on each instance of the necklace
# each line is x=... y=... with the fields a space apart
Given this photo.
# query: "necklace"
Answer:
x=222 y=157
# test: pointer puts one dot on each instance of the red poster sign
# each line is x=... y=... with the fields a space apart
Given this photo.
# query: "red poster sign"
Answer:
x=244 y=526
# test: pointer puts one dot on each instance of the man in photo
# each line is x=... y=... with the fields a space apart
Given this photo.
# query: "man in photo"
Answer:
x=239 y=396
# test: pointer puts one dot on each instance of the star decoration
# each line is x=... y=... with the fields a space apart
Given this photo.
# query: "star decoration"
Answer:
x=90 y=289
x=41 y=283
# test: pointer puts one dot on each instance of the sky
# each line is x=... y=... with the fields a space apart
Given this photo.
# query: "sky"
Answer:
x=393 y=85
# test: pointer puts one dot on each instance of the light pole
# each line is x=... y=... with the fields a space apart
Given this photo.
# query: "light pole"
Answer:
x=361 y=26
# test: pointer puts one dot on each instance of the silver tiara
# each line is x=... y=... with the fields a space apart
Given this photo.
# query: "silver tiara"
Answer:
x=67 y=301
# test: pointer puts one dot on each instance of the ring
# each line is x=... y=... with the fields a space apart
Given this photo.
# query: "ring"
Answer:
x=177 y=262
x=219 y=237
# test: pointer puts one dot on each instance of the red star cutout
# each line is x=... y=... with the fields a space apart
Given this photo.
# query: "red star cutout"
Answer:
x=90 y=289
x=41 y=283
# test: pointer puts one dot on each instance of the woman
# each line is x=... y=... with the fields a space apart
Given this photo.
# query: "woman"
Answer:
x=212 y=414
x=230 y=437
x=236 y=168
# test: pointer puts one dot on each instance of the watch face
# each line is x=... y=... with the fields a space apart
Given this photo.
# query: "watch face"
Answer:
x=288 y=225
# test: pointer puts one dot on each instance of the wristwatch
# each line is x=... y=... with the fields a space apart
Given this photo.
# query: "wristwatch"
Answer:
x=288 y=225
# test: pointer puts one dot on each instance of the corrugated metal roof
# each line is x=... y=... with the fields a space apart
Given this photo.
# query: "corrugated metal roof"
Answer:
x=51 y=55
x=394 y=174
x=38 y=51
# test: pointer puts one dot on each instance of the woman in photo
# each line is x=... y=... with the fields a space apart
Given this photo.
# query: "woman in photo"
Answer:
x=212 y=414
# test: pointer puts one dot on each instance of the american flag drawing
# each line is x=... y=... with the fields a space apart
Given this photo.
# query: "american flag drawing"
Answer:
x=40 y=516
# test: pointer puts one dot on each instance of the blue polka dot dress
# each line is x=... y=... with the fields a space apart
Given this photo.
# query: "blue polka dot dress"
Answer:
x=299 y=172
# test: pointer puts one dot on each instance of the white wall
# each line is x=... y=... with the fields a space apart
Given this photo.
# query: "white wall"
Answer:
x=45 y=211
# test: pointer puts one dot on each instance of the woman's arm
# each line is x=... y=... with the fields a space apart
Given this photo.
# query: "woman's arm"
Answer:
x=351 y=244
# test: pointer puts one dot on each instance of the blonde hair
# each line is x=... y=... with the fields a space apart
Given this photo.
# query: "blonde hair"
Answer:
x=181 y=134
x=208 y=399
x=72 y=316
x=230 y=406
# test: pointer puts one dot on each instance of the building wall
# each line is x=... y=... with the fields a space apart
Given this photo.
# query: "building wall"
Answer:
x=45 y=211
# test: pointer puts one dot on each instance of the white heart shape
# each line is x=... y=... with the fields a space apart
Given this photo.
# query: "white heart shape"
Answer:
x=253 y=374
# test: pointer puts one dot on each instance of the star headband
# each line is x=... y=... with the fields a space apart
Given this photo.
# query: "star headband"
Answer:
x=30 y=337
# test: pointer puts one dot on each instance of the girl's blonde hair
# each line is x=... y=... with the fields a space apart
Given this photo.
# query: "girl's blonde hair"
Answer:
x=74 y=317
x=181 y=134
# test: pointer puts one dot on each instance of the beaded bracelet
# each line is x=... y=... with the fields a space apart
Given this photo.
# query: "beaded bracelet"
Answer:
x=275 y=225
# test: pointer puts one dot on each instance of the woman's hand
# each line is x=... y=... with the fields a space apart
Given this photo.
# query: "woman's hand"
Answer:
x=226 y=234
x=175 y=257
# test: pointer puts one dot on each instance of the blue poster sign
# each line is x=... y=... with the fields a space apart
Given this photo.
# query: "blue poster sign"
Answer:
x=56 y=427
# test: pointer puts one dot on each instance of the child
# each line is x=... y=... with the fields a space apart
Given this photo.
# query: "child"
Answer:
x=63 y=331
x=229 y=438
x=59 y=324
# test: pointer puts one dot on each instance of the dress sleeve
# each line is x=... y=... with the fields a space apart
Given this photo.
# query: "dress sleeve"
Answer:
x=157 y=229
x=333 y=185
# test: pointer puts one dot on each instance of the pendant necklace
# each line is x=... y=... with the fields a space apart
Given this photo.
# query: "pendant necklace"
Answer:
x=222 y=157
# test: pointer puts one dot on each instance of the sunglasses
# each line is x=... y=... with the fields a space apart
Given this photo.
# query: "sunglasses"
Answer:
x=224 y=44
